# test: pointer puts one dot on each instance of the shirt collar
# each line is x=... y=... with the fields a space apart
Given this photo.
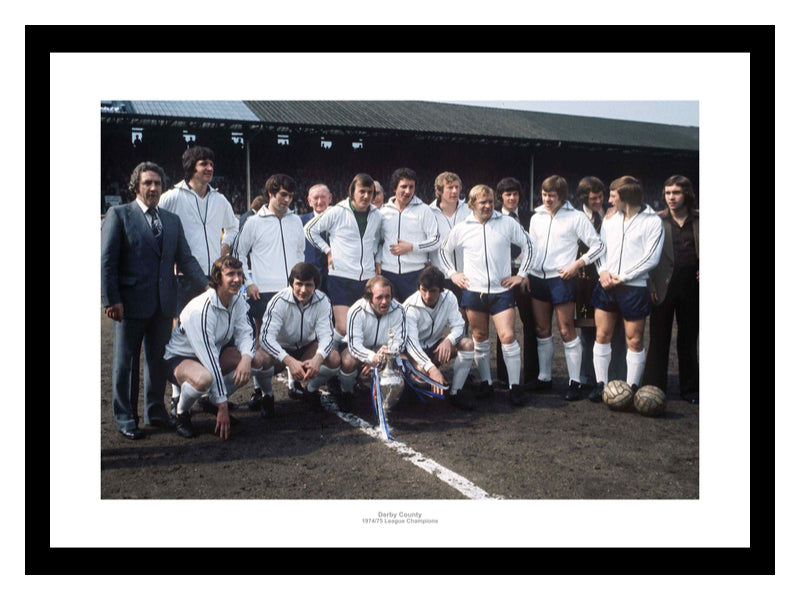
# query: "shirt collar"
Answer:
x=143 y=206
x=590 y=213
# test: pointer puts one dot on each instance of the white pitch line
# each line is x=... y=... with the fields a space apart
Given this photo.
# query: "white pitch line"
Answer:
x=454 y=480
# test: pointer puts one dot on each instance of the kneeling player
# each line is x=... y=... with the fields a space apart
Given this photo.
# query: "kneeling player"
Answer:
x=297 y=331
x=368 y=323
x=430 y=312
x=634 y=238
x=211 y=347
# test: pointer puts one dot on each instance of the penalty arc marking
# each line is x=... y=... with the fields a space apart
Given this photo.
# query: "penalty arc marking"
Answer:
x=454 y=480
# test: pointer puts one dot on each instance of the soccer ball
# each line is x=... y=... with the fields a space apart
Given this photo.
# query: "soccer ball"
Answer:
x=650 y=401
x=618 y=395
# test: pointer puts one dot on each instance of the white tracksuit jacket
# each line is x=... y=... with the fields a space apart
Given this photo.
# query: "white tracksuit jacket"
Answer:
x=203 y=227
x=274 y=245
x=633 y=248
x=416 y=224
x=204 y=327
x=445 y=225
x=367 y=332
x=353 y=256
x=556 y=240
x=288 y=325
x=426 y=326
x=487 y=251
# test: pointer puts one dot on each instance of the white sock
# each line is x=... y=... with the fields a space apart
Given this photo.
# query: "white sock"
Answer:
x=461 y=367
x=546 y=349
x=601 y=359
x=264 y=379
x=256 y=385
x=289 y=379
x=573 y=352
x=635 y=361
x=348 y=380
x=188 y=397
x=325 y=373
x=481 y=356
x=513 y=364
x=176 y=391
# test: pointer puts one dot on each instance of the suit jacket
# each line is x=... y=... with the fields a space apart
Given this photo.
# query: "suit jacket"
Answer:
x=312 y=254
x=662 y=274
x=134 y=271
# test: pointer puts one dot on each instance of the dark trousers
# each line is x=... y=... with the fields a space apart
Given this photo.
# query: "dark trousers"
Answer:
x=530 y=356
x=682 y=301
x=129 y=337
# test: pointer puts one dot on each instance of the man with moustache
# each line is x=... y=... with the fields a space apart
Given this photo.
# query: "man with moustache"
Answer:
x=274 y=242
x=140 y=247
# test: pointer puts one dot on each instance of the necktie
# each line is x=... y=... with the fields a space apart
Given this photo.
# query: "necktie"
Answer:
x=155 y=225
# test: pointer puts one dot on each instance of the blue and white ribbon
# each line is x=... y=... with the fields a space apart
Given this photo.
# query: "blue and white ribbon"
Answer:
x=412 y=375
x=377 y=404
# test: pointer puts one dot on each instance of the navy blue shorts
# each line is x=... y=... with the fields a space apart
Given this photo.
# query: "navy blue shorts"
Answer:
x=258 y=308
x=554 y=290
x=170 y=364
x=404 y=284
x=454 y=288
x=297 y=353
x=343 y=291
x=631 y=301
x=488 y=303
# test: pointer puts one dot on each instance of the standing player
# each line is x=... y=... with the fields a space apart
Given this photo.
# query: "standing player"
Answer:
x=409 y=231
x=298 y=332
x=556 y=229
x=486 y=237
x=679 y=292
x=274 y=242
x=353 y=226
x=591 y=196
x=509 y=194
x=207 y=218
x=431 y=312
x=368 y=323
x=633 y=237
x=211 y=348
x=449 y=210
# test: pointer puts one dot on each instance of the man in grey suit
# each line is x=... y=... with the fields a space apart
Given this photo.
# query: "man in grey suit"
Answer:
x=140 y=246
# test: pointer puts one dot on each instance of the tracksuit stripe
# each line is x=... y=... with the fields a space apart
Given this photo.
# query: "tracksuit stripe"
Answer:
x=211 y=349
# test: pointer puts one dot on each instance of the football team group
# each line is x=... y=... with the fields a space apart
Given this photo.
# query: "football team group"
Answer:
x=217 y=301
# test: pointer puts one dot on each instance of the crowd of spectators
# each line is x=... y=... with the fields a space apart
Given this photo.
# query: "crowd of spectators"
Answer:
x=309 y=163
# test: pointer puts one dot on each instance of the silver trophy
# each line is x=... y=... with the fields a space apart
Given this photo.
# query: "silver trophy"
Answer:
x=391 y=379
